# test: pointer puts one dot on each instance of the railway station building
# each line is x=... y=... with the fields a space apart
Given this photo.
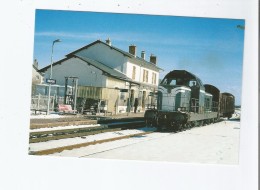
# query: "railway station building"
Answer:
x=105 y=72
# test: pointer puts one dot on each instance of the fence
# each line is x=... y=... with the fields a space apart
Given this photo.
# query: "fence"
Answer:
x=40 y=102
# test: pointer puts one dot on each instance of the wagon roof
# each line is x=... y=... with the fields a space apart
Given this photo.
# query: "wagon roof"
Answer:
x=210 y=87
x=228 y=94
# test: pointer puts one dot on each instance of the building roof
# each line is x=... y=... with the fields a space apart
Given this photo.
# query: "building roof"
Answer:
x=138 y=60
x=106 y=70
x=56 y=63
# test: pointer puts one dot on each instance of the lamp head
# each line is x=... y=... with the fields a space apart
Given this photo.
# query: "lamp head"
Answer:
x=58 y=40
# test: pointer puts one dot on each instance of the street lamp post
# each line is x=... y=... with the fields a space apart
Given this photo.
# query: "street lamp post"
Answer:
x=49 y=91
x=241 y=27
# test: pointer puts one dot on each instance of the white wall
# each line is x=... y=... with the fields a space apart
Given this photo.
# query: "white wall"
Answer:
x=129 y=71
x=139 y=73
x=115 y=83
x=87 y=74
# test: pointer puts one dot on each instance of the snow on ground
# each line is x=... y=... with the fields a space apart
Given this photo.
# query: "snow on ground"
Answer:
x=44 y=116
x=215 y=143
x=78 y=140
x=99 y=148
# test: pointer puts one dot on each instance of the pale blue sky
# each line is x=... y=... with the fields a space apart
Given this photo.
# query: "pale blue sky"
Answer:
x=210 y=48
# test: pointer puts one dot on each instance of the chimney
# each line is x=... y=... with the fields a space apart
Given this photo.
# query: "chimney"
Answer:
x=143 y=55
x=132 y=50
x=153 y=59
x=108 y=41
x=35 y=63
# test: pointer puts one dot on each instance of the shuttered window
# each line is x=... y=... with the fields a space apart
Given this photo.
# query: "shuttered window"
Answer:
x=154 y=78
x=145 y=75
x=134 y=73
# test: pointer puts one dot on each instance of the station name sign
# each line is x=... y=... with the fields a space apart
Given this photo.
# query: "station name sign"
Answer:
x=51 y=81
x=123 y=90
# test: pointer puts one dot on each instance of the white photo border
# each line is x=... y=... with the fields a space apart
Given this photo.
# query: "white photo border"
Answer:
x=21 y=171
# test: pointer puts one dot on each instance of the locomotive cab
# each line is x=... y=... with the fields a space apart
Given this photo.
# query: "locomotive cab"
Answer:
x=183 y=102
x=181 y=91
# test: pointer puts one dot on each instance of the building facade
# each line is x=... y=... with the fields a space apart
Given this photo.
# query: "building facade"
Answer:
x=120 y=77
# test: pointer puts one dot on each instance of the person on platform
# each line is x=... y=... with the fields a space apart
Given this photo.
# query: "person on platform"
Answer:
x=135 y=104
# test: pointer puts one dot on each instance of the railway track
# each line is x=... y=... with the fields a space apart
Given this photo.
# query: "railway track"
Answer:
x=50 y=123
x=79 y=145
x=51 y=133
x=47 y=135
x=84 y=132
x=41 y=135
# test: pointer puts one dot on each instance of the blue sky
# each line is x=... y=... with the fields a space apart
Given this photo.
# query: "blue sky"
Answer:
x=211 y=48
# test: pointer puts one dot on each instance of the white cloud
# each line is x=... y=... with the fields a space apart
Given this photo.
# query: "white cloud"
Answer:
x=152 y=39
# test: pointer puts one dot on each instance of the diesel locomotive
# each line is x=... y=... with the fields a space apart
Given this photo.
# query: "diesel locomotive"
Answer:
x=183 y=101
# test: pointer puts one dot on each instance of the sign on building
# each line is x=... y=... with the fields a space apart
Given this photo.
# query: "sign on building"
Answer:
x=51 y=81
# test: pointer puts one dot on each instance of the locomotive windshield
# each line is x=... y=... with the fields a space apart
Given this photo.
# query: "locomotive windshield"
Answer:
x=178 y=81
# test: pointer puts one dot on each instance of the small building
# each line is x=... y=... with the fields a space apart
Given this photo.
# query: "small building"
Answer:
x=37 y=77
x=109 y=73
